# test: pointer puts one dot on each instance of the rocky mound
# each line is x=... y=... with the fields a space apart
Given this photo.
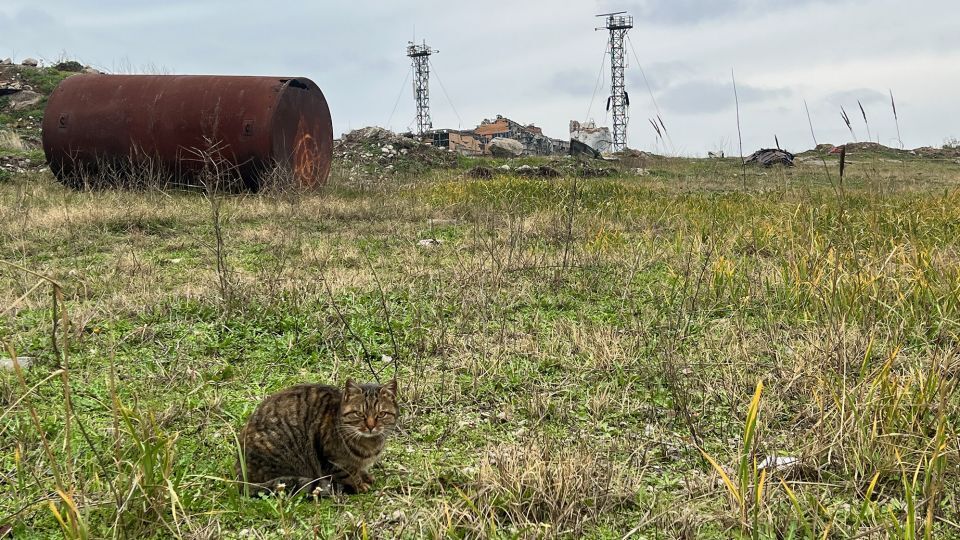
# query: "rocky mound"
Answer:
x=378 y=152
x=23 y=94
x=929 y=152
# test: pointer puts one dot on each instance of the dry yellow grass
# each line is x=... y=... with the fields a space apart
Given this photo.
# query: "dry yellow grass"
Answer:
x=565 y=353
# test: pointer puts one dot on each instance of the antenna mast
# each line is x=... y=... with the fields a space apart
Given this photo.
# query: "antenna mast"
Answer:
x=618 y=24
x=420 y=55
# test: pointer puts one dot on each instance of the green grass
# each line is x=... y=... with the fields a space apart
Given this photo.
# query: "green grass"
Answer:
x=43 y=80
x=568 y=355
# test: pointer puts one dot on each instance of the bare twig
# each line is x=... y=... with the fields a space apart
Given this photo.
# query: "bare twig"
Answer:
x=346 y=324
x=386 y=315
x=736 y=97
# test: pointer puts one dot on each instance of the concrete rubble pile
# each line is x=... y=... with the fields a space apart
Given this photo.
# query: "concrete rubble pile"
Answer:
x=17 y=94
x=375 y=151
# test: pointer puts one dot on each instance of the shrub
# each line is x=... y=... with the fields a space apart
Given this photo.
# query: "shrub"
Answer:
x=70 y=65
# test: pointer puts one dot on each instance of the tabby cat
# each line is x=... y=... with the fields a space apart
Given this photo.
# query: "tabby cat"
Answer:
x=313 y=439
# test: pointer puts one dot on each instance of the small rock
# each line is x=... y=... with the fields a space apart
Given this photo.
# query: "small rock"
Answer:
x=504 y=167
x=429 y=242
x=30 y=62
x=640 y=172
x=91 y=71
x=6 y=62
x=6 y=364
x=9 y=87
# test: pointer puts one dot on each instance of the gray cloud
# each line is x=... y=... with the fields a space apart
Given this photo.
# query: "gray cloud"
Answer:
x=538 y=60
x=659 y=75
x=32 y=15
x=864 y=95
x=707 y=96
x=695 y=11
x=575 y=82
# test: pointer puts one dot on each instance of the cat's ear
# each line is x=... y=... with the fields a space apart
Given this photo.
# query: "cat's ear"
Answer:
x=390 y=389
x=352 y=387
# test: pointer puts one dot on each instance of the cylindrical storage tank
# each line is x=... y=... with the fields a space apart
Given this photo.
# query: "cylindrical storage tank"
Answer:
x=187 y=124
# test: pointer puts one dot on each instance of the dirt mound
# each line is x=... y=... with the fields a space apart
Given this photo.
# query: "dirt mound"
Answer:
x=946 y=152
x=542 y=171
x=883 y=150
x=481 y=172
x=869 y=147
x=585 y=170
x=375 y=151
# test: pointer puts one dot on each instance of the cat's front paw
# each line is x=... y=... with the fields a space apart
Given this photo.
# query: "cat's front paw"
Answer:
x=366 y=478
x=363 y=486
x=321 y=488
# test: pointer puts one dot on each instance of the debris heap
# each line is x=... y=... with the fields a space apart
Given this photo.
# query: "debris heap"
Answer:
x=378 y=152
x=771 y=156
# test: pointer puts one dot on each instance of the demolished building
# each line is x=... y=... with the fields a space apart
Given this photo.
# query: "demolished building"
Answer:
x=477 y=141
x=531 y=136
x=463 y=142
x=598 y=138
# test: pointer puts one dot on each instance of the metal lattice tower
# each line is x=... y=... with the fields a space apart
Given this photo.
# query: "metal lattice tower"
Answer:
x=618 y=24
x=420 y=55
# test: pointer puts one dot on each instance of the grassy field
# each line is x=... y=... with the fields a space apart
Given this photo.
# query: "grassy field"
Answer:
x=601 y=358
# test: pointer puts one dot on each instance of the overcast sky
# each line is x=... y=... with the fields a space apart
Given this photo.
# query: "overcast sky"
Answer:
x=538 y=61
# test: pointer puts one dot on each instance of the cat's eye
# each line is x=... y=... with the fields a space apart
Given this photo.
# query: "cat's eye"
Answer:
x=384 y=414
x=354 y=414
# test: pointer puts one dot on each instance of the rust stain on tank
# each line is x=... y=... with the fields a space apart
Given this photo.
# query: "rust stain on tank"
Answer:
x=306 y=155
x=252 y=123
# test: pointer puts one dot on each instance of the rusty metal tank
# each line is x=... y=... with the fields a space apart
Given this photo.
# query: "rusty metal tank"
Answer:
x=249 y=124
